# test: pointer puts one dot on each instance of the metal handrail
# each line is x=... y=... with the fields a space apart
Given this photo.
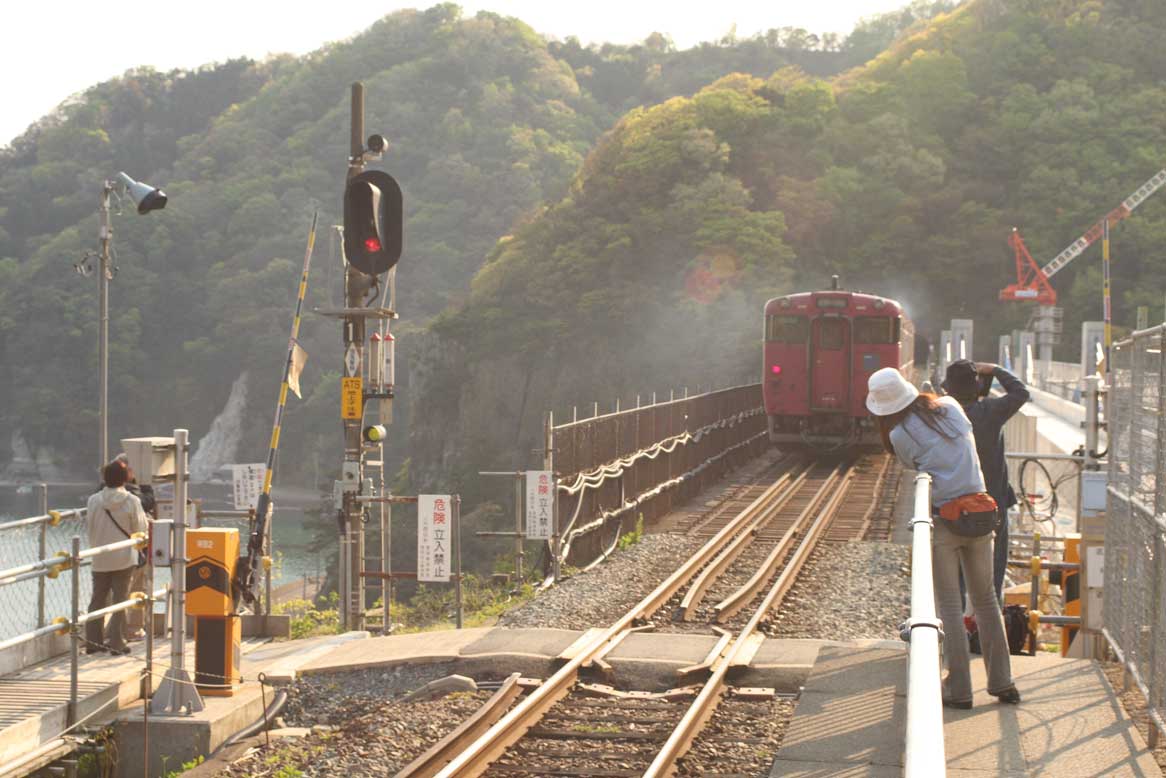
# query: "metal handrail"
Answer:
x=51 y=566
x=924 y=754
x=52 y=518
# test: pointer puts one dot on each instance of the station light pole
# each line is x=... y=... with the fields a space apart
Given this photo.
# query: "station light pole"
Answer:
x=146 y=198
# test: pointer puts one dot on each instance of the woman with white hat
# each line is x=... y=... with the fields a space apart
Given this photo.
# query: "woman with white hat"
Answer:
x=933 y=435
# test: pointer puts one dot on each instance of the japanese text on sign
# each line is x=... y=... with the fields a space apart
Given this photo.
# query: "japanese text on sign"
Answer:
x=248 y=483
x=434 y=537
x=540 y=504
x=351 y=402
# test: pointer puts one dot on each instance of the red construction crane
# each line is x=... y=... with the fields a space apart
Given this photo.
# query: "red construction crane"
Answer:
x=1032 y=281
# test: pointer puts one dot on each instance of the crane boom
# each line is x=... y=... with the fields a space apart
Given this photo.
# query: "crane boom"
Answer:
x=1074 y=249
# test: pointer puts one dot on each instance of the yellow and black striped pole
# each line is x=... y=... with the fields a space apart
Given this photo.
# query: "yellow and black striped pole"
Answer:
x=1107 y=310
x=259 y=527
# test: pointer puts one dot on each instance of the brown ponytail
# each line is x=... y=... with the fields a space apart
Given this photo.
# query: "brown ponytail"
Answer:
x=929 y=410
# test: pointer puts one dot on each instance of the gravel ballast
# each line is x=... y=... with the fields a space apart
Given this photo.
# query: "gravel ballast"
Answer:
x=599 y=596
x=848 y=591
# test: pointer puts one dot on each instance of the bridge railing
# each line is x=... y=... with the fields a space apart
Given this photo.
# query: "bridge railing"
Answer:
x=923 y=753
x=27 y=597
x=50 y=567
x=1135 y=530
x=614 y=468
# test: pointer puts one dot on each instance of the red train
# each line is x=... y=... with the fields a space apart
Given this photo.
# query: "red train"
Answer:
x=820 y=348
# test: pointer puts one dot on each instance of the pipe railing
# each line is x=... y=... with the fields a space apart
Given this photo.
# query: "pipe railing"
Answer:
x=924 y=755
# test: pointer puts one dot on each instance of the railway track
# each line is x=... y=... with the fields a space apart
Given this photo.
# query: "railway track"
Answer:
x=744 y=570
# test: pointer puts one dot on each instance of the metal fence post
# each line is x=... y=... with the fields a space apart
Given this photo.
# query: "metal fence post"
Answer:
x=549 y=465
x=74 y=630
x=457 y=556
x=42 y=550
x=519 y=551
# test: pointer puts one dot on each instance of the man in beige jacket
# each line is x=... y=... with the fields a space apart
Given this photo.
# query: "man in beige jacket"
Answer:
x=113 y=515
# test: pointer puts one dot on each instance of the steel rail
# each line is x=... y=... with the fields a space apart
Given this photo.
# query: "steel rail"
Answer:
x=703 y=707
x=732 y=604
x=696 y=592
x=477 y=756
x=443 y=751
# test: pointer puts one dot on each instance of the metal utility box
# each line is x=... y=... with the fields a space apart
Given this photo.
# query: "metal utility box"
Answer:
x=150 y=458
x=161 y=541
x=1093 y=483
x=212 y=554
x=217 y=654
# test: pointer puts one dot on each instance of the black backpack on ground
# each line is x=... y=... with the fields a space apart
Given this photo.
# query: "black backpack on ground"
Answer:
x=1015 y=627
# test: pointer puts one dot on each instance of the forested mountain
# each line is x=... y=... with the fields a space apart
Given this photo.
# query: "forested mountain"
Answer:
x=904 y=175
x=486 y=119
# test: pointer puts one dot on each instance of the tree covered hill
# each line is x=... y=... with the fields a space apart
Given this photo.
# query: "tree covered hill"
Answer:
x=904 y=175
x=487 y=122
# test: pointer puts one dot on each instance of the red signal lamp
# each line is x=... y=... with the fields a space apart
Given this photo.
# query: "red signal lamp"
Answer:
x=776 y=369
x=372 y=244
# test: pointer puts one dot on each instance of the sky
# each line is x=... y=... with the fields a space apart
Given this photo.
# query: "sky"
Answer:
x=49 y=55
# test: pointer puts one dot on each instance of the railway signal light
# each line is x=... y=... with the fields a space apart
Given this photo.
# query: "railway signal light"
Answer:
x=373 y=222
x=376 y=433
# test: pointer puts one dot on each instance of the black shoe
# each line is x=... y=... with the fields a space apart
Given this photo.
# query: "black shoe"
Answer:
x=120 y=651
x=957 y=704
x=94 y=650
x=1010 y=696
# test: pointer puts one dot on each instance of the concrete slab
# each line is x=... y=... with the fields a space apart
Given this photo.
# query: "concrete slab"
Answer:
x=795 y=769
x=851 y=714
x=841 y=670
x=418 y=647
x=542 y=643
x=1069 y=723
x=183 y=738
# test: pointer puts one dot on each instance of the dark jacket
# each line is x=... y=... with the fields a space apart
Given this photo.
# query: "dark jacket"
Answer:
x=988 y=416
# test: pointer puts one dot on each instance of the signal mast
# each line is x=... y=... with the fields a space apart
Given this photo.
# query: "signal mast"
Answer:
x=1032 y=280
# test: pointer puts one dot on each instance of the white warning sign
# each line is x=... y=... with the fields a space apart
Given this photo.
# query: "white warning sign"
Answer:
x=540 y=504
x=433 y=537
x=248 y=483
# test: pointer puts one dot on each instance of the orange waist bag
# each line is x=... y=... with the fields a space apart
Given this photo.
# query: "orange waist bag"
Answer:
x=971 y=515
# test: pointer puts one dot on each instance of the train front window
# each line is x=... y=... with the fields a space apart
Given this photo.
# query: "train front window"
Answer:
x=876 y=330
x=831 y=334
x=786 y=329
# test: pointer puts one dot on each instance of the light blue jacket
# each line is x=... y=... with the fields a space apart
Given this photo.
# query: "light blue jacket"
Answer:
x=951 y=462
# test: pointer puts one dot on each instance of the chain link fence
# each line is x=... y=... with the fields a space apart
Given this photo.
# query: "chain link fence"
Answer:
x=1135 y=535
x=34 y=602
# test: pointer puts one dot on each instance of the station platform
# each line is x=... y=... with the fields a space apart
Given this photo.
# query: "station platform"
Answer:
x=850 y=722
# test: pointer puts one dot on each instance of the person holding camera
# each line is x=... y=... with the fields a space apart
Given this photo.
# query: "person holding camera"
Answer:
x=113 y=515
x=969 y=383
x=932 y=435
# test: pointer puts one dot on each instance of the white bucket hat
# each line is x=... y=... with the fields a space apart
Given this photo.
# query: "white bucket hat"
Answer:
x=888 y=392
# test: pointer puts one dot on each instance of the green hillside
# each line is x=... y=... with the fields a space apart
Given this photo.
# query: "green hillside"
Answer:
x=904 y=175
x=487 y=121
